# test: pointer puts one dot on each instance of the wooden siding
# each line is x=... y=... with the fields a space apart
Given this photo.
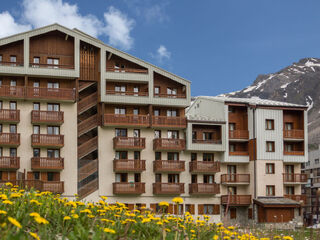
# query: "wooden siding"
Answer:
x=12 y=49
x=128 y=66
x=164 y=83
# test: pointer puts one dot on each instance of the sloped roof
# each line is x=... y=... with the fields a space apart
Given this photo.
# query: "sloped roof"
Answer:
x=271 y=201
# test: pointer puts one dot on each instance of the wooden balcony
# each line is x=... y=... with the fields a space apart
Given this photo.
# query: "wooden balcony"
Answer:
x=168 y=188
x=169 y=144
x=298 y=178
x=294 y=153
x=9 y=163
x=169 y=122
x=44 y=163
x=126 y=120
x=134 y=188
x=53 y=186
x=201 y=141
x=293 y=134
x=57 y=94
x=10 y=139
x=239 y=153
x=12 y=92
x=127 y=93
x=298 y=198
x=47 y=140
x=236 y=200
x=204 y=188
x=11 y=64
x=129 y=143
x=127 y=70
x=238 y=134
x=164 y=95
x=235 y=179
x=10 y=116
x=168 y=166
x=47 y=117
x=204 y=167
x=52 y=66
x=128 y=165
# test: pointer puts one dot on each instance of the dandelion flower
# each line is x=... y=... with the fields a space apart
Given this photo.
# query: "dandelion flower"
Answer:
x=34 y=235
x=3 y=212
x=66 y=218
x=14 y=222
x=34 y=214
x=7 y=202
x=41 y=220
x=163 y=204
x=108 y=230
x=177 y=200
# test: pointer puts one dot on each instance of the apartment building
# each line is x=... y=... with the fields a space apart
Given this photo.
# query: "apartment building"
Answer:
x=80 y=117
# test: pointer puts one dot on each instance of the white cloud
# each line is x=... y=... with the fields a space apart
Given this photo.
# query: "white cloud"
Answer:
x=156 y=13
x=161 y=54
x=118 y=28
x=115 y=25
x=9 y=26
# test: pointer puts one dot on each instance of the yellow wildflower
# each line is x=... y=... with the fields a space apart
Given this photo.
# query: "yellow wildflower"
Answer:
x=163 y=204
x=177 y=200
x=14 y=222
x=7 y=202
x=103 y=197
x=3 y=212
x=108 y=230
x=75 y=216
x=34 y=235
x=9 y=184
x=66 y=218
x=41 y=220
x=34 y=214
x=215 y=237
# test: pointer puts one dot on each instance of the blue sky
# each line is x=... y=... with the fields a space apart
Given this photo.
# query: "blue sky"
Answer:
x=219 y=45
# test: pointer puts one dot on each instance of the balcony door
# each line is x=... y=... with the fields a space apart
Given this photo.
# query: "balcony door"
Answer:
x=53 y=107
x=288 y=126
x=232 y=171
x=121 y=155
x=53 y=130
x=173 y=134
x=289 y=170
x=173 y=178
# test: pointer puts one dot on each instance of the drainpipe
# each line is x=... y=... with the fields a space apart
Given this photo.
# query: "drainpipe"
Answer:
x=254 y=161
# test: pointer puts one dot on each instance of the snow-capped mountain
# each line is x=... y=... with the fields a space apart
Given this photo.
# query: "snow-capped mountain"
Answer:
x=298 y=83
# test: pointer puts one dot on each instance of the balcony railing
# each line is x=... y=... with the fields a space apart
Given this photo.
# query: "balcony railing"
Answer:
x=44 y=163
x=169 y=144
x=12 y=91
x=128 y=165
x=51 y=186
x=204 y=167
x=47 y=140
x=239 y=153
x=129 y=143
x=11 y=64
x=126 y=120
x=294 y=133
x=295 y=153
x=8 y=115
x=47 y=117
x=236 y=200
x=201 y=141
x=168 y=188
x=164 y=121
x=168 y=166
x=297 y=198
x=129 y=188
x=128 y=70
x=53 y=66
x=235 y=178
x=164 y=95
x=51 y=93
x=127 y=93
x=10 y=163
x=10 y=139
x=204 y=188
x=295 y=177
x=238 y=134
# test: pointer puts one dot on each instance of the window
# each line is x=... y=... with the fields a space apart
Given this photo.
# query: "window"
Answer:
x=194 y=178
x=270 y=146
x=158 y=178
x=173 y=178
x=193 y=157
x=50 y=176
x=269 y=124
x=208 y=157
x=53 y=153
x=0 y=58
x=36 y=84
x=288 y=147
x=157 y=134
x=232 y=126
x=207 y=136
x=173 y=156
x=36 y=106
x=53 y=85
x=316 y=161
x=53 y=130
x=120 y=90
x=36 y=61
x=156 y=90
x=13 y=59
x=36 y=175
x=13 y=83
x=171 y=113
x=36 y=129
x=13 y=152
x=13 y=128
x=53 y=107
x=288 y=126
x=136 y=133
x=231 y=109
x=233 y=190
x=135 y=91
x=121 y=177
x=208 y=209
x=137 y=177
x=119 y=111
x=157 y=155
x=171 y=92
x=1 y=104
x=208 y=179
x=269 y=168
x=270 y=190
x=0 y=154
x=121 y=155
x=156 y=112
x=13 y=105
x=290 y=190
x=136 y=155
x=36 y=152
x=53 y=62
x=194 y=135
x=173 y=134
x=232 y=148
x=190 y=208
x=136 y=111
x=0 y=128
x=121 y=132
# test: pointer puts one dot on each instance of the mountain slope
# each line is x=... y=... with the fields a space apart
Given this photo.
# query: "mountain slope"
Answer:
x=298 y=83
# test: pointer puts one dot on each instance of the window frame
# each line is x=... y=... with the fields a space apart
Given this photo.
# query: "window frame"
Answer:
x=267 y=124
x=268 y=165
x=272 y=146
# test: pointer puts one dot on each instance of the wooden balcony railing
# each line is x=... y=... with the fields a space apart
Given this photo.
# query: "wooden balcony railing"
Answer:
x=10 y=139
x=295 y=177
x=164 y=121
x=297 y=198
x=127 y=93
x=204 y=188
x=87 y=124
x=11 y=91
x=53 y=186
x=164 y=95
x=294 y=133
x=47 y=140
x=51 y=93
x=11 y=163
x=11 y=64
x=8 y=115
x=204 y=167
x=239 y=153
x=126 y=120
x=168 y=188
x=53 y=66
x=128 y=70
x=88 y=147
x=129 y=143
x=168 y=166
x=47 y=117
x=169 y=144
x=235 y=178
x=295 y=153
x=128 y=165
x=238 y=134
x=129 y=188
x=236 y=200
x=87 y=102
x=201 y=141
x=44 y=163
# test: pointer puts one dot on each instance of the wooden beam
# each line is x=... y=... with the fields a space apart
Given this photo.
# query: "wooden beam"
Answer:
x=66 y=37
x=110 y=55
